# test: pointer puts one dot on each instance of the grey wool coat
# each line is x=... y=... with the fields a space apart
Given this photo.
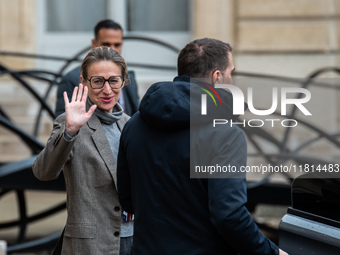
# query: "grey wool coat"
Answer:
x=93 y=210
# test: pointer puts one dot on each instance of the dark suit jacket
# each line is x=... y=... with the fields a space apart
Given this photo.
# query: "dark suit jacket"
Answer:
x=93 y=210
x=72 y=79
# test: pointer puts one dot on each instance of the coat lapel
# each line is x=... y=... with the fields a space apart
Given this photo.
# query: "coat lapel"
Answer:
x=120 y=123
x=100 y=140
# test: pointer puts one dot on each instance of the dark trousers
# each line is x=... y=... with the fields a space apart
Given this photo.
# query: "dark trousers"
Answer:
x=126 y=245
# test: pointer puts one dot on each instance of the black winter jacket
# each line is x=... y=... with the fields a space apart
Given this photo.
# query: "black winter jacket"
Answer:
x=160 y=149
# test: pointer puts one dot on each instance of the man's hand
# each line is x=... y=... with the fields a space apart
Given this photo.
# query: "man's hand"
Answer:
x=281 y=252
x=76 y=115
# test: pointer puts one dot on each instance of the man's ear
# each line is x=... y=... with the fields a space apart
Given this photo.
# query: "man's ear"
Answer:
x=93 y=43
x=217 y=76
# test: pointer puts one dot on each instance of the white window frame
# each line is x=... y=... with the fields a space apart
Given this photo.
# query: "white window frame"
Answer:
x=67 y=44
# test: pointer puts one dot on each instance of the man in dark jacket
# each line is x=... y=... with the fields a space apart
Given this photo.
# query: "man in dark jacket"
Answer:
x=107 y=33
x=178 y=210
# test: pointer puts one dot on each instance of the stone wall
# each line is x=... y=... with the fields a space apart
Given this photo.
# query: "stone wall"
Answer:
x=17 y=31
x=282 y=37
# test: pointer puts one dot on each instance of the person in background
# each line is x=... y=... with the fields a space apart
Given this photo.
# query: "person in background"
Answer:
x=84 y=144
x=107 y=33
x=174 y=213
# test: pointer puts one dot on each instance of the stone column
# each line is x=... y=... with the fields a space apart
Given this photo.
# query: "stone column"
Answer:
x=17 y=31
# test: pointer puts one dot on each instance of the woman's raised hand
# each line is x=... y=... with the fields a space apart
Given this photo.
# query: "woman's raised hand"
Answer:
x=76 y=115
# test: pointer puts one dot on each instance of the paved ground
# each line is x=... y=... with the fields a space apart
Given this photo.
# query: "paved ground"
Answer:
x=38 y=201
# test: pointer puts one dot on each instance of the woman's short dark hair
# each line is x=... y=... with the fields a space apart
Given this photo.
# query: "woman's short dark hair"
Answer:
x=104 y=53
x=200 y=58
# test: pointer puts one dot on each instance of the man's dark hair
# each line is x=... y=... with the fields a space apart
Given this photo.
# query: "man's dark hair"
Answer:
x=199 y=58
x=108 y=24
